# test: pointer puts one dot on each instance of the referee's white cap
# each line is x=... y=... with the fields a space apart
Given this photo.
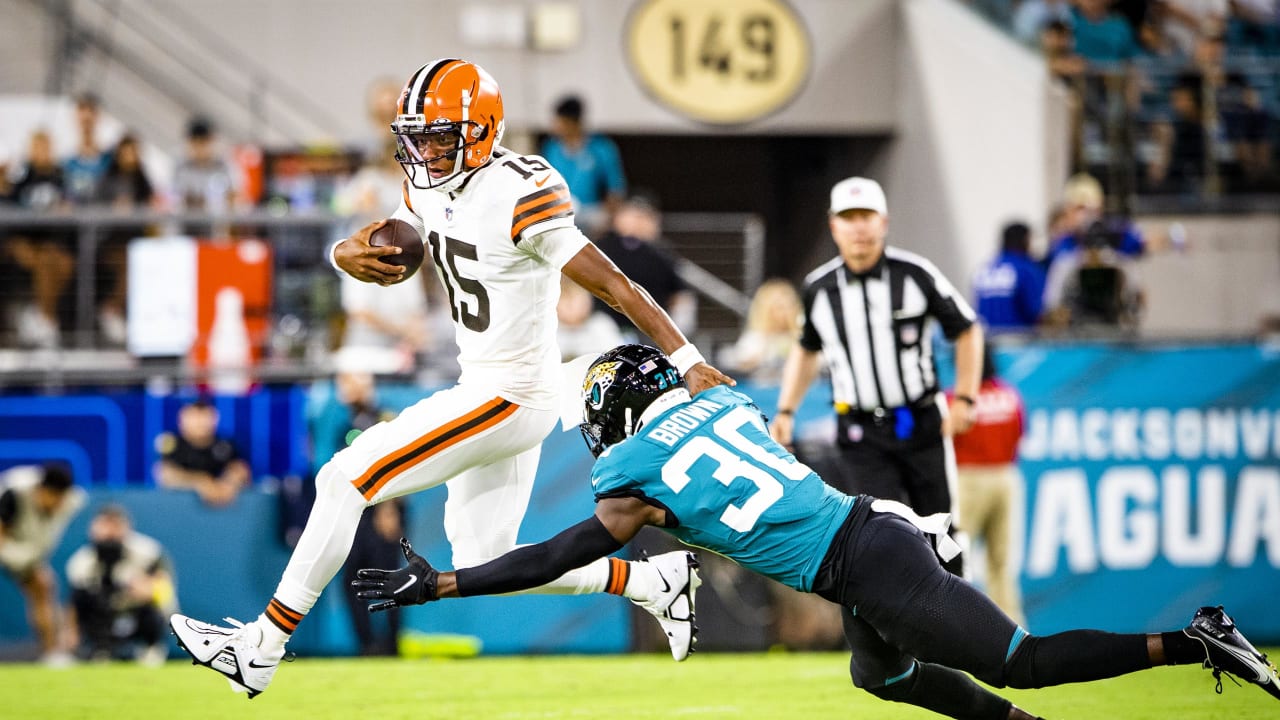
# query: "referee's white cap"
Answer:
x=858 y=193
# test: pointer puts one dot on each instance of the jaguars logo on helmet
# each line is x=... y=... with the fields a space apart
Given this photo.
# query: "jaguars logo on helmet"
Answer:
x=619 y=386
x=599 y=378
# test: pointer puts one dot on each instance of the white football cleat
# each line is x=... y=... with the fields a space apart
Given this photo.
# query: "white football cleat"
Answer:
x=231 y=651
x=673 y=604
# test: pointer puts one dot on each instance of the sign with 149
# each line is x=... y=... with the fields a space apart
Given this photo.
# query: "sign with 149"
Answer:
x=719 y=61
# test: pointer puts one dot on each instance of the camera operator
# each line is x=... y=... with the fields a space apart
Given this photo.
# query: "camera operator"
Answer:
x=1082 y=205
x=1094 y=286
x=121 y=590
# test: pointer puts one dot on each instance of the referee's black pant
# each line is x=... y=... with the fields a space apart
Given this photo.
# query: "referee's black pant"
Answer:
x=883 y=458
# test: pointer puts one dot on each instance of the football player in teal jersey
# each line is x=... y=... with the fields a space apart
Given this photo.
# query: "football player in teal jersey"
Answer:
x=705 y=470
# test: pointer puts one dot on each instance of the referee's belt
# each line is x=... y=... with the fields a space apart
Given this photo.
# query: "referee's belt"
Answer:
x=882 y=415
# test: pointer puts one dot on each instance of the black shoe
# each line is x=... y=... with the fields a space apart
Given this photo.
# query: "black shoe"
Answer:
x=1227 y=651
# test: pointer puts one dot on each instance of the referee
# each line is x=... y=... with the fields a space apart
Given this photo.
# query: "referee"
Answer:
x=870 y=312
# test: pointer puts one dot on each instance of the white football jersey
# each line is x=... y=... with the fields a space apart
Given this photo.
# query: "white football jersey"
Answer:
x=500 y=267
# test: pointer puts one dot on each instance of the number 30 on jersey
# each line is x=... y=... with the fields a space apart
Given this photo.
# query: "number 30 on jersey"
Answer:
x=736 y=456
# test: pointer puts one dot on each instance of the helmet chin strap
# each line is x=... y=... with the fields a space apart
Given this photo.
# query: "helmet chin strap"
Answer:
x=660 y=404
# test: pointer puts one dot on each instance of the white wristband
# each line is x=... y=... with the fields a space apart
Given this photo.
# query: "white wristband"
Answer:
x=329 y=255
x=686 y=357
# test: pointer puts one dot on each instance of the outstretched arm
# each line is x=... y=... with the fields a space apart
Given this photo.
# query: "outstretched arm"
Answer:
x=597 y=273
x=615 y=522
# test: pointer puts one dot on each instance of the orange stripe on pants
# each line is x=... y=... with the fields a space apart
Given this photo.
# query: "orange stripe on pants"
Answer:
x=397 y=462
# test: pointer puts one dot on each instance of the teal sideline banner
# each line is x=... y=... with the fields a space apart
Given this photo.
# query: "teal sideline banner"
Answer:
x=1152 y=485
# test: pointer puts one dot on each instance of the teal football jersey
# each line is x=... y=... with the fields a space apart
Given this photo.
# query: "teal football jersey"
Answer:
x=731 y=488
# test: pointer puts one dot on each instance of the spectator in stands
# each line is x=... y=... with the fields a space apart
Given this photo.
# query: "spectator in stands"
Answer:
x=373 y=190
x=1179 y=164
x=387 y=326
x=1009 y=291
x=1102 y=36
x=84 y=170
x=125 y=187
x=1058 y=47
x=45 y=255
x=1033 y=16
x=203 y=180
x=988 y=481
x=351 y=406
x=36 y=504
x=125 y=184
x=590 y=164
x=1247 y=126
x=195 y=458
x=1186 y=22
x=121 y=591
x=635 y=245
x=381 y=97
x=1253 y=27
x=773 y=326
x=583 y=328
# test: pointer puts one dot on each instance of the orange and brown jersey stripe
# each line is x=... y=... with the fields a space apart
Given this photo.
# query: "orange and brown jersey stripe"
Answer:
x=404 y=188
x=619 y=572
x=470 y=425
x=283 y=616
x=552 y=202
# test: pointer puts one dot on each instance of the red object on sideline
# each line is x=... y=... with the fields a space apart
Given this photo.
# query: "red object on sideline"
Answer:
x=993 y=439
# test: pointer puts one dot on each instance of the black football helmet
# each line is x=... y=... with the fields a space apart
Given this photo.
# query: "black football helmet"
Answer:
x=618 y=387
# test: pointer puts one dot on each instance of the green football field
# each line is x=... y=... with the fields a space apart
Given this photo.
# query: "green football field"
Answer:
x=806 y=686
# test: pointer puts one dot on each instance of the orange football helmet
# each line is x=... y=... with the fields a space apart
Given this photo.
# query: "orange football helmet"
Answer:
x=449 y=108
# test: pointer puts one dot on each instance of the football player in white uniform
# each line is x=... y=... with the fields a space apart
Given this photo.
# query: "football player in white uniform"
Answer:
x=499 y=228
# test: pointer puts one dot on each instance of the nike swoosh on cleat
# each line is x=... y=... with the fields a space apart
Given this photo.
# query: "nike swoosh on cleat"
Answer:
x=666 y=586
x=1263 y=677
x=412 y=579
x=253 y=664
x=206 y=630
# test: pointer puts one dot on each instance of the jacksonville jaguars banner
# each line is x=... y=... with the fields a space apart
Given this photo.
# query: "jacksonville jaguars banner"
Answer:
x=1152 y=485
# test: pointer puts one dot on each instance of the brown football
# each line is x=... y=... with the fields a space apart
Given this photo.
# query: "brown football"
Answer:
x=404 y=236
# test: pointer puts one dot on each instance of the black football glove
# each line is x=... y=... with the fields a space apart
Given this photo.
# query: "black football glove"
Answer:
x=411 y=585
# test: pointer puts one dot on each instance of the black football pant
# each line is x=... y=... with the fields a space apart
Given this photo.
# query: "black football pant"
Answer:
x=914 y=471
x=912 y=625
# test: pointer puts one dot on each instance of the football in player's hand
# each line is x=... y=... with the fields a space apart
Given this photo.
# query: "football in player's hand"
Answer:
x=402 y=235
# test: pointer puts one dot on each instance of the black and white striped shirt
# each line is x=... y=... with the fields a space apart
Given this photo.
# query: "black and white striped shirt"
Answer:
x=874 y=328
